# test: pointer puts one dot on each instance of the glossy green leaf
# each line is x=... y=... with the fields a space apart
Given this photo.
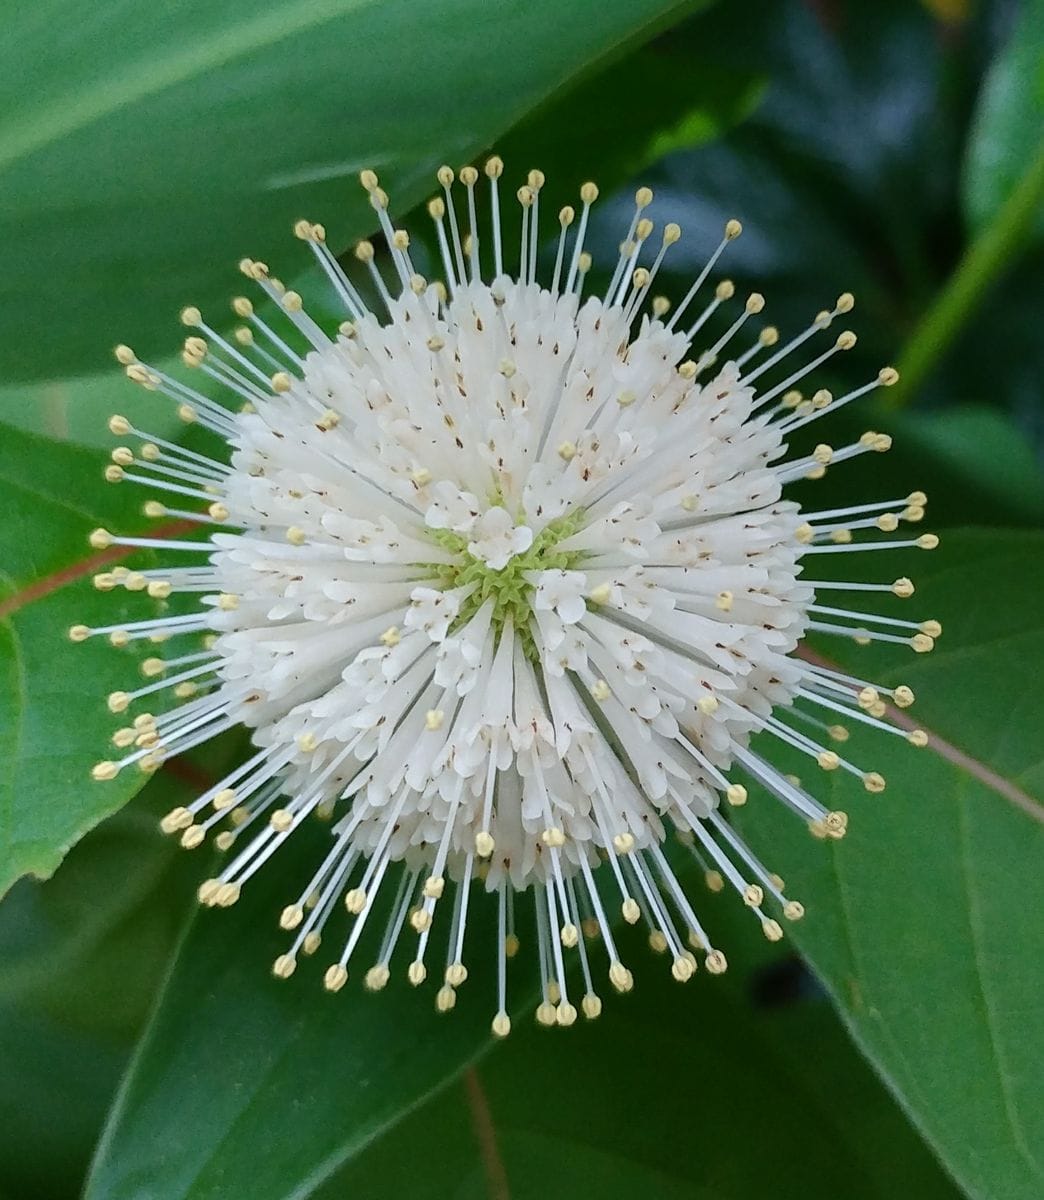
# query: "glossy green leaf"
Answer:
x=697 y=1091
x=286 y=1080
x=166 y=142
x=925 y=921
x=53 y=719
x=1006 y=133
x=83 y=960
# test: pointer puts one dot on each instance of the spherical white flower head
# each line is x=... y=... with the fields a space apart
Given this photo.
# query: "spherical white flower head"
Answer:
x=511 y=587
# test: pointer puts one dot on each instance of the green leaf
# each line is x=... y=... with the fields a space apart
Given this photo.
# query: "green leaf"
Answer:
x=167 y=142
x=694 y=1091
x=288 y=1084
x=1006 y=131
x=286 y=1080
x=925 y=920
x=82 y=963
x=53 y=720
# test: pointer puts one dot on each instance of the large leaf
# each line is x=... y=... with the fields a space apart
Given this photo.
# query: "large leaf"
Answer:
x=1007 y=130
x=287 y=1083
x=82 y=962
x=168 y=141
x=53 y=719
x=694 y=1092
x=925 y=921
x=286 y=1080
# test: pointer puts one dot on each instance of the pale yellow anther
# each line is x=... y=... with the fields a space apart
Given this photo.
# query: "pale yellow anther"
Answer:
x=620 y=977
x=433 y=719
x=100 y=539
x=569 y=935
x=912 y=513
x=567 y=451
x=682 y=969
x=591 y=1006
x=816 y=472
x=151 y=667
x=733 y=229
x=873 y=782
x=118 y=702
x=903 y=588
x=922 y=643
x=626 y=399
x=600 y=690
x=281 y=820
x=176 y=820
x=845 y=302
x=400 y=239
x=804 y=534
x=822 y=319
x=494 y=167
x=484 y=843
x=589 y=193
x=657 y=941
x=102 y=772
x=846 y=340
x=585 y=262
x=643 y=228
x=445 y=998
x=688 y=369
x=882 y=443
x=708 y=705
x=623 y=843
x=928 y=541
x=736 y=794
x=828 y=760
x=838 y=733
x=772 y=930
x=601 y=594
x=355 y=901
x=888 y=522
x=281 y=382
x=553 y=837
x=725 y=290
x=227 y=895
x=878 y=710
x=917 y=737
x=416 y=973
x=511 y=945
x=713 y=881
x=420 y=920
x=105 y=581
x=335 y=978
x=456 y=974
x=836 y=823
x=793 y=910
x=902 y=697
x=364 y=251
x=507 y=368
x=312 y=941
x=630 y=911
x=193 y=837
x=723 y=601
x=80 y=633
x=525 y=195
x=867 y=697
x=120 y=638
x=123 y=738
x=716 y=963
x=368 y=179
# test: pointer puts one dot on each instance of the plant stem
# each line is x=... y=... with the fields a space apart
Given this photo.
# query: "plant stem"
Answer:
x=988 y=254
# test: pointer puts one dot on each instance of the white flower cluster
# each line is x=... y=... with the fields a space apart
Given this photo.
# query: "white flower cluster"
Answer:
x=502 y=581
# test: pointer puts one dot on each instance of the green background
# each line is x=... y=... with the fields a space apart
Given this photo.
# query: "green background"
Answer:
x=894 y=1045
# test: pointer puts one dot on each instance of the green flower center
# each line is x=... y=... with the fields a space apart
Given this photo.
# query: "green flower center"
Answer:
x=508 y=588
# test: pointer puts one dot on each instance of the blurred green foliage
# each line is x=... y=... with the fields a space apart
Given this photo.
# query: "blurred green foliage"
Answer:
x=883 y=146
